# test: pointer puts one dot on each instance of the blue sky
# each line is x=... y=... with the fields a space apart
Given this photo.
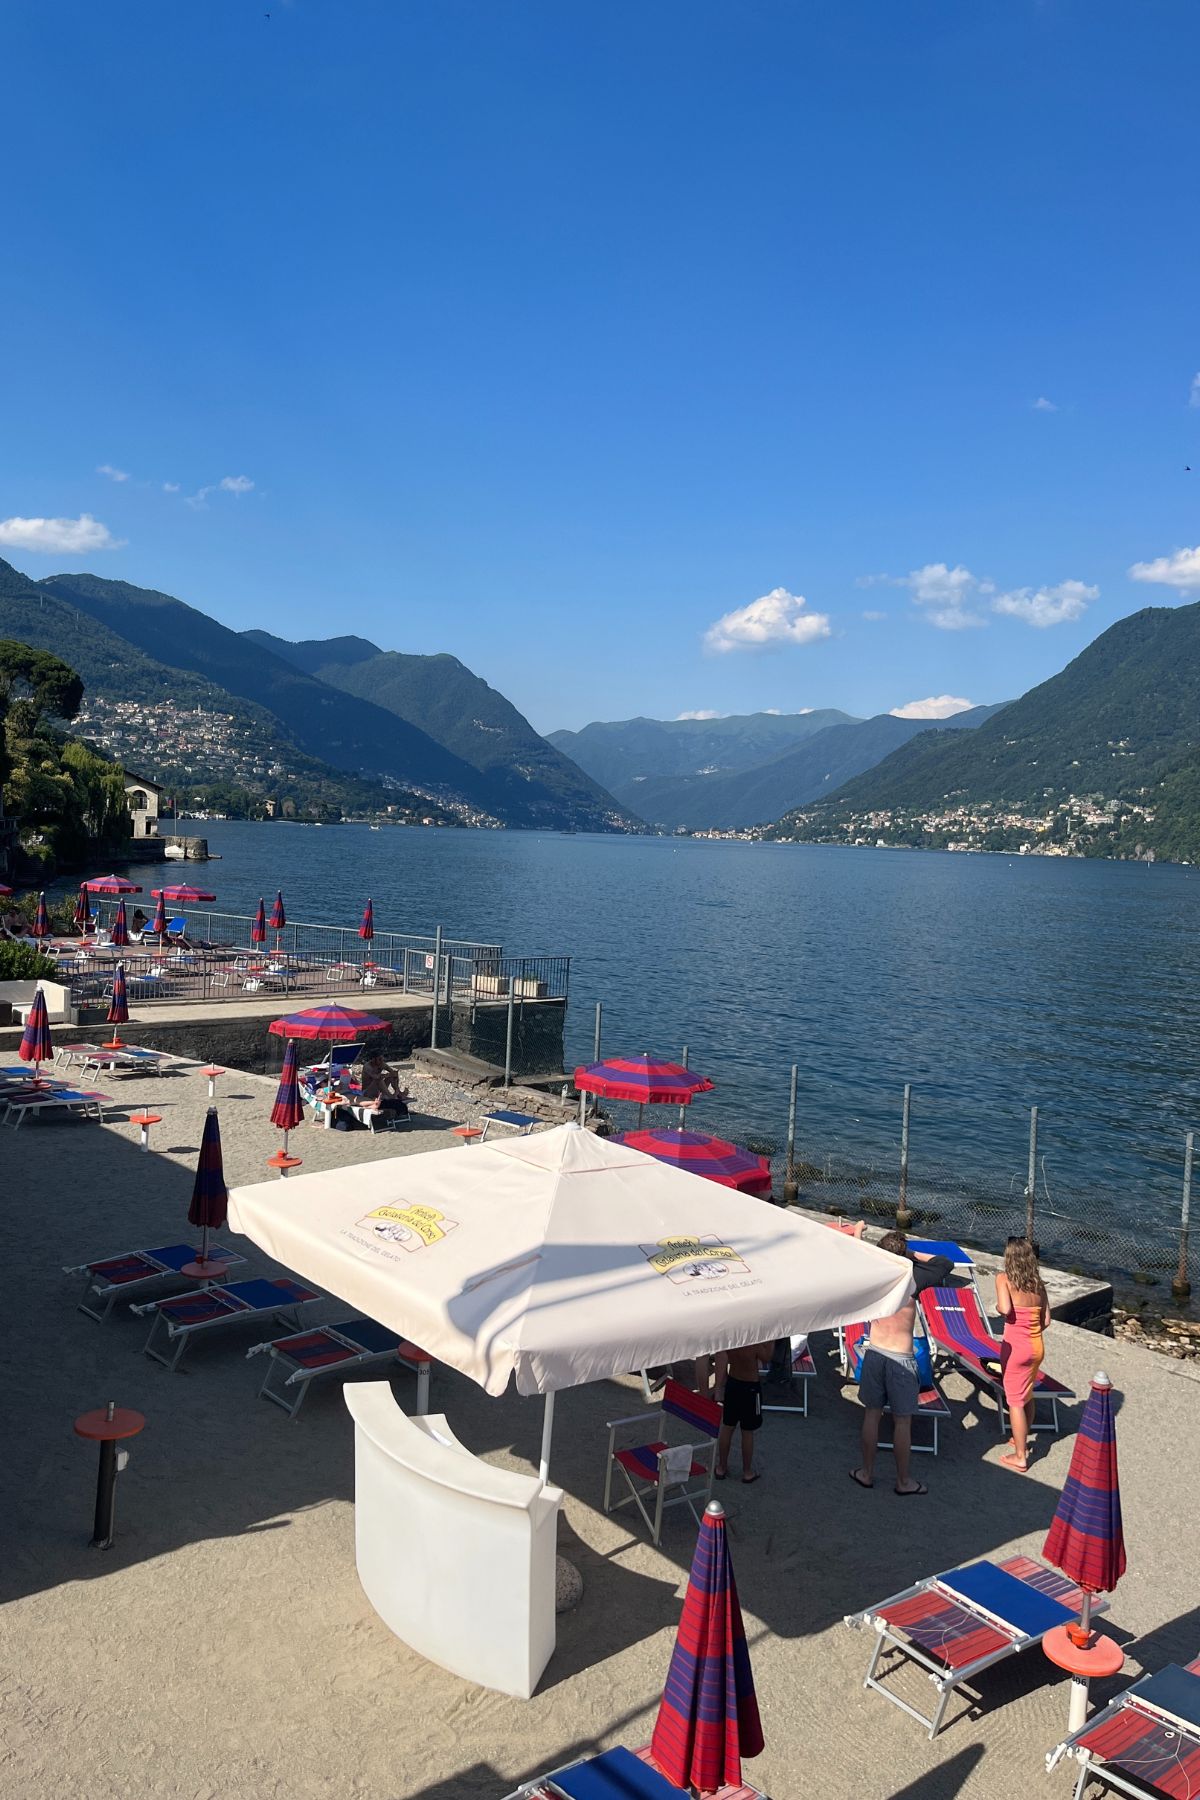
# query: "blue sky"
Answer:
x=558 y=336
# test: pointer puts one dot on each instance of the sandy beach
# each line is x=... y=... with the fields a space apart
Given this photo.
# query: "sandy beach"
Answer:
x=223 y=1648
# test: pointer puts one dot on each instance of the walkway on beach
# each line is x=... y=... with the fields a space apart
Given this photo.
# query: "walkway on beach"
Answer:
x=223 y=1647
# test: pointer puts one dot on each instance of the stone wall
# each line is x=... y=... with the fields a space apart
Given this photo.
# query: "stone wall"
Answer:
x=480 y=1030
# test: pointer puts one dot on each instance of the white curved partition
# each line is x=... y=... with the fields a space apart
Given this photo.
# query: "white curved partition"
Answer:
x=457 y=1557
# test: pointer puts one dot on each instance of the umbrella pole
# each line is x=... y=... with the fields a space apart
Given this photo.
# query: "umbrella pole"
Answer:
x=547 y=1436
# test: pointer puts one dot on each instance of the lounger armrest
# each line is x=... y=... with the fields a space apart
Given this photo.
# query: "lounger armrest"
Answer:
x=257 y=1349
x=642 y=1418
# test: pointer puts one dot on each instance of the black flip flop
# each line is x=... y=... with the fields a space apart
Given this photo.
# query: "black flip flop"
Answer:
x=853 y=1474
x=911 y=1493
x=749 y=1480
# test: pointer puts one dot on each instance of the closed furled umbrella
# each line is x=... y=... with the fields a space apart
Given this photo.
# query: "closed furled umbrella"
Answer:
x=210 y=1196
x=83 y=912
x=118 y=1007
x=698 y=1154
x=41 y=927
x=119 y=934
x=708 y=1719
x=1085 y=1539
x=113 y=885
x=258 y=925
x=35 y=1045
x=366 y=930
x=278 y=917
x=331 y=1024
x=158 y=924
x=288 y=1110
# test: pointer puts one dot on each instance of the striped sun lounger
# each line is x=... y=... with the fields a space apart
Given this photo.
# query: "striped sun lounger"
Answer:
x=129 y=1275
x=958 y=1329
x=55 y=1098
x=799 y=1370
x=956 y=1625
x=1146 y=1743
x=181 y=1318
x=931 y=1405
x=617 y=1774
x=350 y=1344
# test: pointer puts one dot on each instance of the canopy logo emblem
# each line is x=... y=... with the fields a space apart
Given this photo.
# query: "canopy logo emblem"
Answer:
x=412 y=1227
x=684 y=1259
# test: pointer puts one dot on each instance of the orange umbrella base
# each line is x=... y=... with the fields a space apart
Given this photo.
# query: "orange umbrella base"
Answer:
x=1098 y=1657
x=282 y=1161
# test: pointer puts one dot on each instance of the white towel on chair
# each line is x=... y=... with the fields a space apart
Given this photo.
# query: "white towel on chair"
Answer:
x=675 y=1464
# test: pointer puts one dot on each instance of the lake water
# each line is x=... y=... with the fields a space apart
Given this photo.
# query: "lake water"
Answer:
x=991 y=983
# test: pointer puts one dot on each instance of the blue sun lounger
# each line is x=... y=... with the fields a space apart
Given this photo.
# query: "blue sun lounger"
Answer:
x=1146 y=1744
x=180 y=1318
x=617 y=1774
x=122 y=1277
x=302 y=1358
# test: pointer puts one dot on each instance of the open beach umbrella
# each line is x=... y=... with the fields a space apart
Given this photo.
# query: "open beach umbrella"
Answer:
x=278 y=917
x=4 y=888
x=210 y=1196
x=258 y=925
x=366 y=930
x=288 y=1110
x=83 y=912
x=183 y=895
x=35 y=1045
x=563 y=1258
x=330 y=1024
x=158 y=924
x=119 y=935
x=641 y=1078
x=708 y=1719
x=118 y=1007
x=698 y=1154
x=41 y=927
x=110 y=884
x=1085 y=1539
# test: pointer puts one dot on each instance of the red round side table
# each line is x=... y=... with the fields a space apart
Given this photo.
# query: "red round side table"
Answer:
x=107 y=1426
x=1099 y=1656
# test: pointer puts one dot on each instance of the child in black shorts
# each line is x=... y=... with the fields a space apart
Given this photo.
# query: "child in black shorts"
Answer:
x=742 y=1409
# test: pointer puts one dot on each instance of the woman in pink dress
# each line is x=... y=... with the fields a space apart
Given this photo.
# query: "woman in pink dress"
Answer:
x=1022 y=1304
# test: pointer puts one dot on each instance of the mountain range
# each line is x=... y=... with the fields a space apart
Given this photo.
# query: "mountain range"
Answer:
x=728 y=774
x=133 y=643
x=1120 y=724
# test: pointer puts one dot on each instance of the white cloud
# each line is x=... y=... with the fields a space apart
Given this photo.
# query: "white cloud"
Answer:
x=1180 y=570
x=170 y=487
x=58 y=537
x=235 y=484
x=704 y=713
x=873 y=617
x=938 y=706
x=946 y=593
x=774 y=618
x=113 y=474
x=1045 y=606
x=1041 y=404
x=1194 y=390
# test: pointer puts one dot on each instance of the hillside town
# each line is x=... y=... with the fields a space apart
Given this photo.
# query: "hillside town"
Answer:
x=1087 y=825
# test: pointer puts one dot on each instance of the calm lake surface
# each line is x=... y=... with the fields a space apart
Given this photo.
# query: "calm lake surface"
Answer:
x=991 y=983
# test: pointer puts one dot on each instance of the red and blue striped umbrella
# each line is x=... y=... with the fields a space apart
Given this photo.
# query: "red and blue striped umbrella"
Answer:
x=1085 y=1539
x=708 y=1719
x=278 y=916
x=210 y=1196
x=258 y=927
x=118 y=1006
x=333 y=1024
x=83 y=912
x=35 y=1045
x=698 y=1154
x=41 y=927
x=288 y=1110
x=119 y=934
x=366 y=930
x=642 y=1078
x=183 y=894
x=158 y=924
x=110 y=884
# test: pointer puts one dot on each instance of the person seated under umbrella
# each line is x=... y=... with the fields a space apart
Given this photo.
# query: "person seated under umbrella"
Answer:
x=381 y=1086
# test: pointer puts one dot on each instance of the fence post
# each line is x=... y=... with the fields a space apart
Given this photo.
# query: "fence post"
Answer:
x=1031 y=1180
x=437 y=987
x=683 y=1109
x=599 y=1017
x=903 y=1216
x=508 y=1037
x=790 y=1187
x=1181 y=1287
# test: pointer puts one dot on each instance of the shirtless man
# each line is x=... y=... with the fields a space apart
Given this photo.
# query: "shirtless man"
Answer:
x=742 y=1408
x=889 y=1370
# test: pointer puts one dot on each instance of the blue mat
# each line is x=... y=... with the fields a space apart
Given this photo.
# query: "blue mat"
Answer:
x=616 y=1775
x=941 y=1247
x=1175 y=1691
x=367 y=1333
x=1008 y=1598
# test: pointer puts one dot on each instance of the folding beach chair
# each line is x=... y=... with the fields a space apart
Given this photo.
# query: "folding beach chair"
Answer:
x=340 y=1060
x=350 y=1344
x=116 y=1278
x=959 y=1331
x=798 y=1371
x=1146 y=1743
x=521 y=1123
x=956 y=1625
x=964 y=1263
x=617 y=1774
x=182 y=1317
x=655 y=1468
x=931 y=1403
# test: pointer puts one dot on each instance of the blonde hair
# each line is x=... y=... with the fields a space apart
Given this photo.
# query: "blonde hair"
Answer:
x=1021 y=1266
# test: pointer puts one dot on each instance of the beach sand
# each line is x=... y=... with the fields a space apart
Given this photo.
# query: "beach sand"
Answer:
x=223 y=1650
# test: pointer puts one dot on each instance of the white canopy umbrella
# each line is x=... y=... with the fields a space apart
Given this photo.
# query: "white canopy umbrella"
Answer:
x=563 y=1258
